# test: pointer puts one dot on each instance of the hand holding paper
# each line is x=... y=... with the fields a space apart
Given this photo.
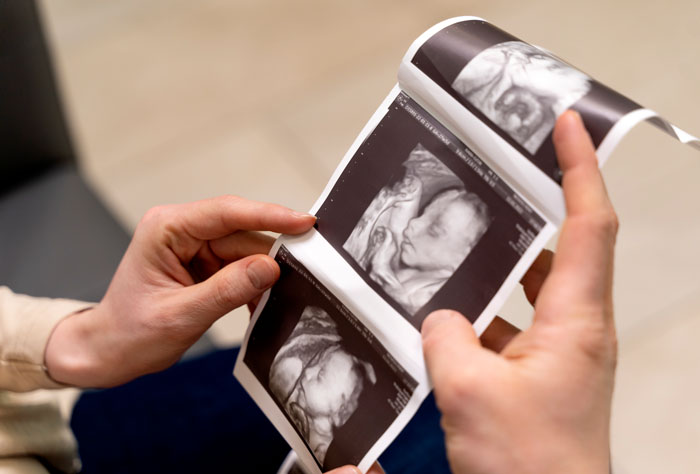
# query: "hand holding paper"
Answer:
x=562 y=368
x=187 y=266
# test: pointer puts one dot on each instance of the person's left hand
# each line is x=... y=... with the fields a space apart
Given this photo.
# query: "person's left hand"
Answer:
x=187 y=265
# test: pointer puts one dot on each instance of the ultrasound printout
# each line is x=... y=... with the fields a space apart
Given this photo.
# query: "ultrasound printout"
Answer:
x=443 y=201
x=327 y=373
x=518 y=89
x=423 y=220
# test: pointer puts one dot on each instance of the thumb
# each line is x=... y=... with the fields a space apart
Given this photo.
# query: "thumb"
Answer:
x=234 y=285
x=450 y=347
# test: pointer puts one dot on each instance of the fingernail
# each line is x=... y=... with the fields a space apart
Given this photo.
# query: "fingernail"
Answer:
x=573 y=118
x=567 y=125
x=577 y=117
x=261 y=273
x=302 y=215
x=435 y=319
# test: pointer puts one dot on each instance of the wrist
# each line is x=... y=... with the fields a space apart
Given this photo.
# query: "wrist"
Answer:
x=539 y=453
x=71 y=357
x=578 y=456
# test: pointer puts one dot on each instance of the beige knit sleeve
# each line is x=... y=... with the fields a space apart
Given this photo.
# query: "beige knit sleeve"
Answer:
x=21 y=465
x=26 y=324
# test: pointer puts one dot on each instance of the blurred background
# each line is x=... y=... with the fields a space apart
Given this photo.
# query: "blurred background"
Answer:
x=171 y=101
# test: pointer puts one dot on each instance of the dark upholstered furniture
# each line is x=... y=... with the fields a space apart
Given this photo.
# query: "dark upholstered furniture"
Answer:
x=56 y=237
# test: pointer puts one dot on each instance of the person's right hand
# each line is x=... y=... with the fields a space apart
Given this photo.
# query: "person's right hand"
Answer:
x=542 y=404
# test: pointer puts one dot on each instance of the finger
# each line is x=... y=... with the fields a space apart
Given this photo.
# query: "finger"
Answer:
x=498 y=334
x=584 y=189
x=204 y=264
x=537 y=273
x=585 y=248
x=253 y=304
x=451 y=350
x=345 y=470
x=234 y=285
x=581 y=273
x=214 y=254
x=375 y=469
x=241 y=244
x=215 y=218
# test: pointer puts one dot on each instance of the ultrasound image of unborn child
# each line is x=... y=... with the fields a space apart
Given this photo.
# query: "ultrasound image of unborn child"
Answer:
x=317 y=381
x=522 y=89
x=416 y=233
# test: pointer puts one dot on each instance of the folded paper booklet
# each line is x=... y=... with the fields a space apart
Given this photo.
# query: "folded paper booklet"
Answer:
x=443 y=201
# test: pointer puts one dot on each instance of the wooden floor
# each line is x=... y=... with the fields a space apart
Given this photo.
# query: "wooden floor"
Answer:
x=172 y=101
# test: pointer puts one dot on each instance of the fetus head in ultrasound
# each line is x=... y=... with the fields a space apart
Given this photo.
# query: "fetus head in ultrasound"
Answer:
x=317 y=380
x=445 y=232
x=522 y=89
x=418 y=230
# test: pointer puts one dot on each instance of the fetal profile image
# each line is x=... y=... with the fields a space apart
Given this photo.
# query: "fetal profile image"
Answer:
x=317 y=380
x=521 y=89
x=418 y=230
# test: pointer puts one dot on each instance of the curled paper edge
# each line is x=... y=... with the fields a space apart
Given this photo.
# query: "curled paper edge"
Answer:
x=629 y=121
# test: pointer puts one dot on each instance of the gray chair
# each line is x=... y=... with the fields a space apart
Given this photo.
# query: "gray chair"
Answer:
x=56 y=238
